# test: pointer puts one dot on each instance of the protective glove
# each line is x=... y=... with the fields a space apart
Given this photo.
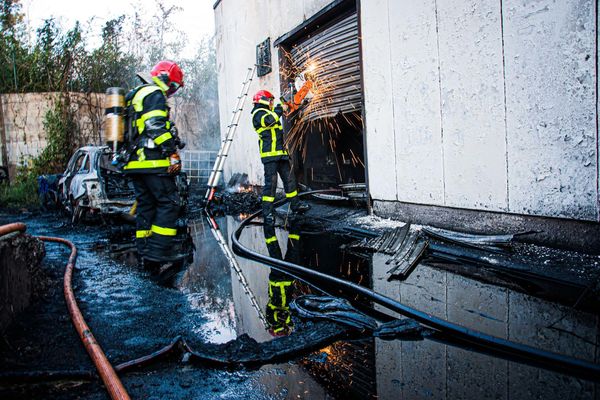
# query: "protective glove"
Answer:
x=175 y=162
x=278 y=109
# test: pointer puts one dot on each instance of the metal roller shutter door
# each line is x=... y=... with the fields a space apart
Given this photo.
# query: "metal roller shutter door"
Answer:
x=335 y=52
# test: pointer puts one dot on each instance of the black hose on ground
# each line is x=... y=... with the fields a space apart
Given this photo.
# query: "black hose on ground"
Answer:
x=481 y=341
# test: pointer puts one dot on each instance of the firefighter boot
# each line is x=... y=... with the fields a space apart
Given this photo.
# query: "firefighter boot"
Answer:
x=298 y=207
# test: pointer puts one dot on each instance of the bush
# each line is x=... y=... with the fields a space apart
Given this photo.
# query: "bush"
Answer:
x=60 y=127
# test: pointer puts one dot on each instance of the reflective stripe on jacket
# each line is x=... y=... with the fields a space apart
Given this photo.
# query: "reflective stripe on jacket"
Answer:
x=151 y=121
x=267 y=125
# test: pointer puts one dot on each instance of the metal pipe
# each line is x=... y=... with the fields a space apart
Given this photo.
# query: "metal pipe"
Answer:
x=527 y=354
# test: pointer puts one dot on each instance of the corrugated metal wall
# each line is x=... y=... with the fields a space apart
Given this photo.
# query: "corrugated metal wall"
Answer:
x=334 y=52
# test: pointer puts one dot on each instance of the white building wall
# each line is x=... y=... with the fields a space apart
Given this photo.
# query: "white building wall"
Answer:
x=417 y=116
x=482 y=105
x=377 y=89
x=240 y=26
x=551 y=107
x=472 y=92
x=493 y=104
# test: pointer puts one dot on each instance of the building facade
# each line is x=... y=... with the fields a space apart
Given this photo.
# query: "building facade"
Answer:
x=466 y=114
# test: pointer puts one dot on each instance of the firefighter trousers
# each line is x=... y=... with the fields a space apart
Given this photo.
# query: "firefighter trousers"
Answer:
x=272 y=169
x=158 y=207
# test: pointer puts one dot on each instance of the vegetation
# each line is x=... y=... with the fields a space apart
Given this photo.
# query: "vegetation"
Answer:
x=61 y=61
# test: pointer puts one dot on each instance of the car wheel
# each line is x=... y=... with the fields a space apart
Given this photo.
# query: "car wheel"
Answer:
x=79 y=212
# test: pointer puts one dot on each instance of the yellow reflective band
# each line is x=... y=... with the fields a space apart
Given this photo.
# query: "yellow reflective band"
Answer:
x=262 y=120
x=138 y=99
x=271 y=239
x=273 y=153
x=143 y=234
x=163 y=138
x=164 y=231
x=141 y=121
x=147 y=164
x=291 y=194
x=141 y=155
x=261 y=130
x=163 y=86
x=268 y=199
x=281 y=285
x=273 y=140
x=294 y=236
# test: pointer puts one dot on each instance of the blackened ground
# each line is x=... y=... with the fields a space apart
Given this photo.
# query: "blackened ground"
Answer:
x=129 y=315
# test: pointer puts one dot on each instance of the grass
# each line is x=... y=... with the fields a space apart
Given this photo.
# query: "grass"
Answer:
x=22 y=193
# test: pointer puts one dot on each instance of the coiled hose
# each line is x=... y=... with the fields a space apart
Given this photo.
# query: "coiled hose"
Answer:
x=470 y=337
x=113 y=384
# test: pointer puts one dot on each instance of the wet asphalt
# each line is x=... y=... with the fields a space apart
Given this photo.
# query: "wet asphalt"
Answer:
x=129 y=314
x=132 y=316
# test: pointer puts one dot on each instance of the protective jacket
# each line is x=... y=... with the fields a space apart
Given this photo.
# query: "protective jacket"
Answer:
x=267 y=125
x=151 y=139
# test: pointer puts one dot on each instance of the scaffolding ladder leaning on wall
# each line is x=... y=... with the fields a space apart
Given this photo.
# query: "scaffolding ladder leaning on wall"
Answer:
x=215 y=174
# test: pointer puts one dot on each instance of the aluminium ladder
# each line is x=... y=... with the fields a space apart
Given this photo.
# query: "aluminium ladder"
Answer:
x=215 y=174
x=214 y=228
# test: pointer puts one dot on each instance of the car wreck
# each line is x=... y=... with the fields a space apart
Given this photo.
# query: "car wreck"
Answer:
x=92 y=186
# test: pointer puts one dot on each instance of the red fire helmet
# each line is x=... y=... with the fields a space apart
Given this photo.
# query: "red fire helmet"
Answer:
x=170 y=74
x=263 y=97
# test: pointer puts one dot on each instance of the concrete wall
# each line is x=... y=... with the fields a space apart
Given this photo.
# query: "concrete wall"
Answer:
x=24 y=122
x=24 y=113
x=240 y=26
x=483 y=105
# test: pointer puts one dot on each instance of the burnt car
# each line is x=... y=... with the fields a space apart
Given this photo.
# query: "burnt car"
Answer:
x=92 y=186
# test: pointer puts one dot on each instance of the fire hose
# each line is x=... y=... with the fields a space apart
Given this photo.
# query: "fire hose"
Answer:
x=470 y=337
x=113 y=384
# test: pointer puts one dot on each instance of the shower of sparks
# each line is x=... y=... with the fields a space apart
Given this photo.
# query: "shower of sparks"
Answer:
x=325 y=85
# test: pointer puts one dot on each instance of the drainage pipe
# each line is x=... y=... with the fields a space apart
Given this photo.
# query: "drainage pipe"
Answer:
x=111 y=381
x=527 y=354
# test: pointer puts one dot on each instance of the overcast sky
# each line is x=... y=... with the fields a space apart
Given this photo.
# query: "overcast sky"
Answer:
x=196 y=19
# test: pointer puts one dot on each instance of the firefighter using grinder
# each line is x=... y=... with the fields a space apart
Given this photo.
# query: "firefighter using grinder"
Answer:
x=267 y=122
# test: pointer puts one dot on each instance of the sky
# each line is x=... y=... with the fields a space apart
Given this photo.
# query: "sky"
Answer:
x=196 y=19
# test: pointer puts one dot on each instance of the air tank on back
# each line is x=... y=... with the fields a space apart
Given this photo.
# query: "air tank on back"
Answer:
x=114 y=117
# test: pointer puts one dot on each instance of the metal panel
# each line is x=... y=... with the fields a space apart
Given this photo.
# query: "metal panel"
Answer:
x=333 y=57
x=416 y=95
x=472 y=94
x=379 y=107
x=551 y=107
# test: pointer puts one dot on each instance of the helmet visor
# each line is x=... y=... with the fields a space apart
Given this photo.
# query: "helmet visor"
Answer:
x=173 y=87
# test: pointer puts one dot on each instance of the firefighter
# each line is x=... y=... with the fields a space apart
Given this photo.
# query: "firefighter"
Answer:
x=281 y=285
x=267 y=124
x=153 y=162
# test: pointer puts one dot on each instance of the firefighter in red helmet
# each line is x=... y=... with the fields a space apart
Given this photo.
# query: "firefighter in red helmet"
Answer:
x=266 y=120
x=153 y=162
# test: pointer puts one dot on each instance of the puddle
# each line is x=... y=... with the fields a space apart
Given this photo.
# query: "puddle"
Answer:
x=220 y=303
x=375 y=368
